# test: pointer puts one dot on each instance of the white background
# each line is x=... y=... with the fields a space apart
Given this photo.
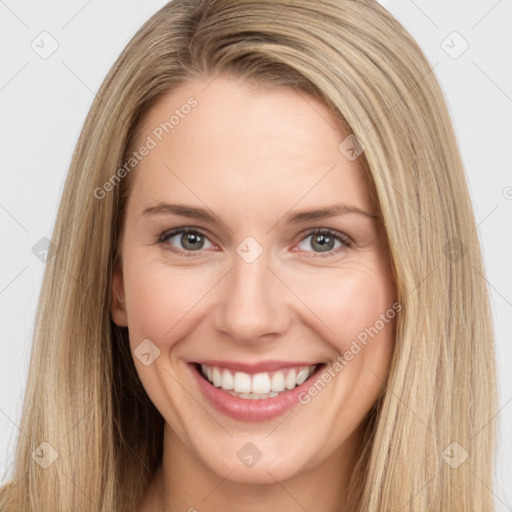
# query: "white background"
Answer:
x=43 y=104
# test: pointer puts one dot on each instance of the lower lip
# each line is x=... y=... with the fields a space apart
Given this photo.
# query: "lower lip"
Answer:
x=246 y=409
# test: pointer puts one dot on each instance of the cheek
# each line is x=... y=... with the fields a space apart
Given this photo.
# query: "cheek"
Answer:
x=163 y=301
x=157 y=299
x=348 y=302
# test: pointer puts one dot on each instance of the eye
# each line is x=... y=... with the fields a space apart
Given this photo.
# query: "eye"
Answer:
x=192 y=241
x=325 y=239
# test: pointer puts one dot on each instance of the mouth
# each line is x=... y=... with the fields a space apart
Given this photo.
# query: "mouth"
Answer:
x=254 y=392
x=256 y=385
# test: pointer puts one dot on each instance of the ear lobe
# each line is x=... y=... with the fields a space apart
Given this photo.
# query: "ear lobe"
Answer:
x=118 y=308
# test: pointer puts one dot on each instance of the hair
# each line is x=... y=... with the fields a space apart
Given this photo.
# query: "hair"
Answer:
x=83 y=395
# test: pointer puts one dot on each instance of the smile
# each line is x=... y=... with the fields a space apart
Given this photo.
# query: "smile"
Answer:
x=257 y=386
x=253 y=392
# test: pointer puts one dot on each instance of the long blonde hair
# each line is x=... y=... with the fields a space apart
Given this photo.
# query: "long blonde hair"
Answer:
x=83 y=396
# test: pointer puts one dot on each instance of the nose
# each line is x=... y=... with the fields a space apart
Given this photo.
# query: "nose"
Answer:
x=252 y=302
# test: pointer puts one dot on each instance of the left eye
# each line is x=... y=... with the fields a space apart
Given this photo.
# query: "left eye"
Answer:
x=325 y=240
x=193 y=240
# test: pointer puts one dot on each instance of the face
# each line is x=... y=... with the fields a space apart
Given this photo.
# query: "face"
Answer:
x=251 y=296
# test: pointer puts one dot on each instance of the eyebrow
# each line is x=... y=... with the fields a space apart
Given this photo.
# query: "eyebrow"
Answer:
x=295 y=218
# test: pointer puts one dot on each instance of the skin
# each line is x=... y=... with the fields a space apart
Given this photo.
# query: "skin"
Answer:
x=252 y=157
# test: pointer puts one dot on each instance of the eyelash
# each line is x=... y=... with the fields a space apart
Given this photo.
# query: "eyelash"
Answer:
x=164 y=237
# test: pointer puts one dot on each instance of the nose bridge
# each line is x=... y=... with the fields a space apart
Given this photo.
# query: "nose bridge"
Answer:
x=251 y=305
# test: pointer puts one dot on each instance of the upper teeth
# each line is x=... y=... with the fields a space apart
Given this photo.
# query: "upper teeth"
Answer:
x=259 y=383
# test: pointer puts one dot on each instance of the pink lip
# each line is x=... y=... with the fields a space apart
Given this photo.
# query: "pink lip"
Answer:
x=263 y=366
x=246 y=409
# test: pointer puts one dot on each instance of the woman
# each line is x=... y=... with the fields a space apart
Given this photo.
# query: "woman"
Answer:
x=300 y=359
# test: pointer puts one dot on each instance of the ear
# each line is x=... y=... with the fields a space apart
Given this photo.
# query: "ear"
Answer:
x=118 y=308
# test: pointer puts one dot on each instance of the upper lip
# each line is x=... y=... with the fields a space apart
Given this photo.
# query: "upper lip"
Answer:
x=262 y=366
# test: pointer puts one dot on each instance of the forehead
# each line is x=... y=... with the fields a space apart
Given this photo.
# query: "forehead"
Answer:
x=229 y=139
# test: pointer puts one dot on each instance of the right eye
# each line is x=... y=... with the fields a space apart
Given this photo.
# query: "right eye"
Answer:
x=191 y=240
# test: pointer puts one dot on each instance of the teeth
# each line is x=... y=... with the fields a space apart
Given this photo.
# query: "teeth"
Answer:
x=217 y=379
x=302 y=375
x=277 y=382
x=261 y=383
x=257 y=386
x=290 y=380
x=242 y=382
x=253 y=396
x=227 y=380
